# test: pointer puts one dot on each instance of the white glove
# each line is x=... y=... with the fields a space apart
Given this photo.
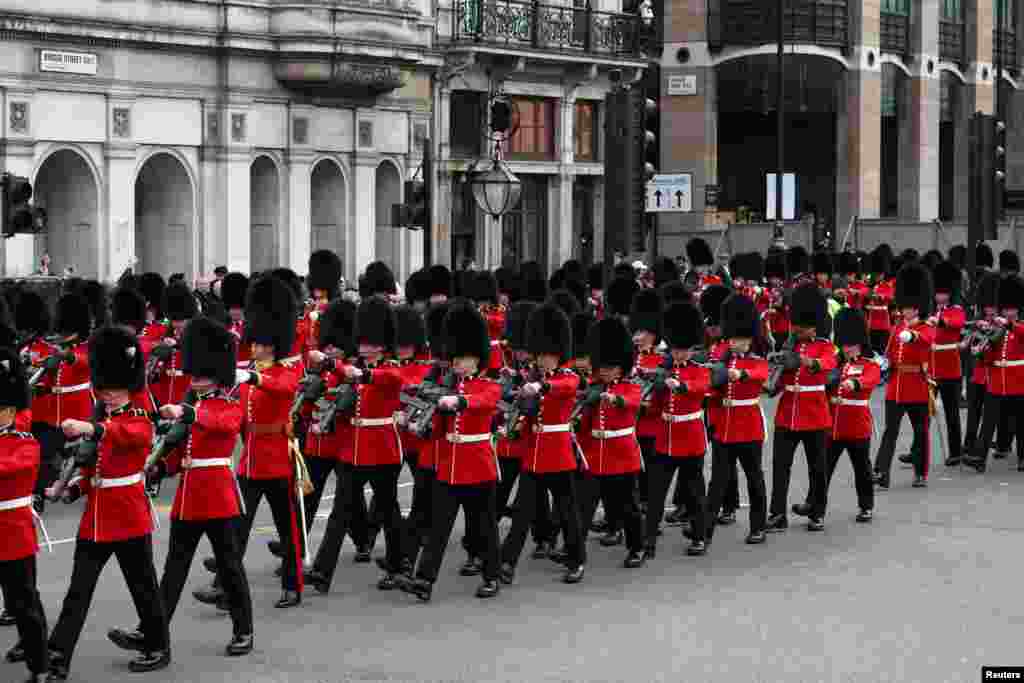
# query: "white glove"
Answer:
x=242 y=376
x=905 y=337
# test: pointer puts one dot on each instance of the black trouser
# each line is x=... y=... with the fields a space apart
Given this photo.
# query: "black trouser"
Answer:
x=542 y=528
x=690 y=482
x=918 y=414
x=135 y=557
x=1006 y=432
x=647 y=452
x=222 y=533
x=975 y=402
x=383 y=479
x=879 y=340
x=21 y=599
x=419 y=522
x=723 y=461
x=562 y=486
x=783 y=449
x=617 y=492
x=995 y=408
x=319 y=471
x=51 y=454
x=730 y=501
x=280 y=495
x=479 y=512
x=860 y=459
x=949 y=391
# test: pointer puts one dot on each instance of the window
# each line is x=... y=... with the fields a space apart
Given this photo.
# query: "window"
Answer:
x=464 y=220
x=585 y=141
x=467 y=115
x=524 y=229
x=952 y=10
x=535 y=138
x=900 y=7
x=1007 y=7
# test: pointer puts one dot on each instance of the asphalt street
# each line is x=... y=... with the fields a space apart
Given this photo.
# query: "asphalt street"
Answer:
x=928 y=592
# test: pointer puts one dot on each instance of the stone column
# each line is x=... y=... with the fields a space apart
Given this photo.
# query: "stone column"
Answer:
x=298 y=240
x=238 y=193
x=441 y=202
x=119 y=237
x=560 y=232
x=363 y=234
x=919 y=175
x=980 y=17
x=19 y=158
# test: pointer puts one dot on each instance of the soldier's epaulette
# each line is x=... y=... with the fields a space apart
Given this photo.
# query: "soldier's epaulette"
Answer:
x=391 y=363
x=20 y=435
x=133 y=412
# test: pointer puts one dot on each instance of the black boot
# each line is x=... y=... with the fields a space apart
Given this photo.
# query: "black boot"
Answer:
x=573 y=574
x=276 y=548
x=210 y=564
x=210 y=595
x=151 y=661
x=363 y=554
x=777 y=523
x=802 y=509
x=542 y=551
x=127 y=640
x=488 y=589
x=612 y=538
x=507 y=574
x=388 y=582
x=421 y=588
x=7 y=619
x=635 y=559
x=15 y=654
x=318 y=581
x=288 y=599
x=881 y=480
x=239 y=645
x=864 y=516
x=977 y=463
x=473 y=566
x=697 y=548
x=756 y=538
x=727 y=517
x=815 y=524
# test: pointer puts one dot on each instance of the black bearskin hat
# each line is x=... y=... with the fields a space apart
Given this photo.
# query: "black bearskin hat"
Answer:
x=566 y=301
x=416 y=288
x=128 y=308
x=958 y=256
x=548 y=331
x=13 y=382
x=532 y=287
x=684 y=326
x=217 y=312
x=674 y=292
x=908 y=255
x=115 y=360
x=1009 y=262
x=411 y=331
x=573 y=270
x=581 y=324
x=754 y=267
x=336 y=326
x=988 y=291
x=465 y=333
x=914 y=288
x=376 y=324
x=699 y=253
x=179 y=304
x=232 y=290
x=881 y=259
x=96 y=294
x=290 y=278
x=797 y=261
x=983 y=256
x=324 y=272
x=270 y=313
x=152 y=287
x=506 y=281
x=619 y=295
x=850 y=327
x=516 y=319
x=595 y=276
x=435 y=329
x=32 y=314
x=440 y=279
x=848 y=263
x=932 y=258
x=624 y=270
x=947 y=277
x=647 y=313
x=557 y=280
x=73 y=316
x=665 y=270
x=711 y=304
x=610 y=345
x=807 y=306
x=484 y=289
x=775 y=264
x=208 y=350
x=1011 y=293
x=822 y=262
x=464 y=283
x=739 y=317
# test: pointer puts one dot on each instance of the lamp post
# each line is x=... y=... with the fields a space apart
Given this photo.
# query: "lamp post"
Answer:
x=496 y=189
x=778 y=230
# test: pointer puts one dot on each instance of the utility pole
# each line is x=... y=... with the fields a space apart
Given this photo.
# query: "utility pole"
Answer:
x=779 y=238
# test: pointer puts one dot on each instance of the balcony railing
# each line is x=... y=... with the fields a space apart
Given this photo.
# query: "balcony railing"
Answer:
x=1010 y=64
x=526 y=24
x=747 y=23
x=953 y=42
x=894 y=34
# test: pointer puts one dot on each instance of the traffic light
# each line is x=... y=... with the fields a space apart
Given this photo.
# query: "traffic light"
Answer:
x=416 y=203
x=17 y=214
x=999 y=164
x=987 y=173
x=501 y=115
x=642 y=110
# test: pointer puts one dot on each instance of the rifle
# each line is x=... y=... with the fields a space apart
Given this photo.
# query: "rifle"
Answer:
x=51 y=363
x=81 y=452
x=779 y=362
x=521 y=407
x=419 y=403
x=161 y=353
x=586 y=399
x=344 y=403
x=980 y=335
x=169 y=435
x=655 y=381
x=311 y=387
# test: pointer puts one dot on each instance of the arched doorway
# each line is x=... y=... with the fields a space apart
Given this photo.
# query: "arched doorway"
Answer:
x=895 y=94
x=164 y=217
x=264 y=215
x=66 y=187
x=950 y=148
x=390 y=240
x=327 y=208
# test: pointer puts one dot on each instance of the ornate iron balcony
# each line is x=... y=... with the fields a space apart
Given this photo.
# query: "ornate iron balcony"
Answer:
x=748 y=23
x=526 y=24
x=952 y=42
x=895 y=34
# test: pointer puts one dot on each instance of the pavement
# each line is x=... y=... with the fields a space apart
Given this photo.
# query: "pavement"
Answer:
x=928 y=592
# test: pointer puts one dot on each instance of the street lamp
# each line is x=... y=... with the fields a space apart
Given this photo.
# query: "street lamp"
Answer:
x=495 y=188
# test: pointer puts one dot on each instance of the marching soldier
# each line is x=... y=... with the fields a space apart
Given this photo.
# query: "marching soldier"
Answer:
x=323 y=281
x=702 y=261
x=128 y=308
x=171 y=383
x=232 y=292
x=117 y=519
x=466 y=468
x=19 y=465
x=485 y=294
x=802 y=416
x=645 y=323
x=772 y=306
x=206 y=502
x=987 y=302
x=908 y=393
x=879 y=319
x=949 y=319
x=682 y=439
x=152 y=286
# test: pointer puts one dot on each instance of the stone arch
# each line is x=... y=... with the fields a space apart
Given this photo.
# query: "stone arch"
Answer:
x=328 y=206
x=165 y=214
x=66 y=184
x=264 y=213
x=390 y=239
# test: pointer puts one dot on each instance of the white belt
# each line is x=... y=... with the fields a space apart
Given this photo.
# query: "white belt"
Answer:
x=877 y=308
x=467 y=438
x=373 y=421
x=297 y=358
x=540 y=429
x=15 y=503
x=1008 y=363
x=101 y=483
x=849 y=402
x=71 y=389
x=800 y=389
x=945 y=347
x=175 y=373
x=737 y=402
x=495 y=342
x=689 y=417
x=209 y=462
x=612 y=433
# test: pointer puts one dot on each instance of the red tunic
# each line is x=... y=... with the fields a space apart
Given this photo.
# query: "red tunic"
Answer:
x=649 y=422
x=65 y=393
x=945 y=358
x=117 y=508
x=208 y=491
x=682 y=433
x=376 y=436
x=1007 y=375
x=851 y=411
x=856 y=294
x=804 y=406
x=466 y=456
x=172 y=383
x=878 y=306
x=413 y=373
x=614 y=448
x=548 y=436
x=740 y=419
x=19 y=466
x=265 y=425
x=909 y=363
x=337 y=444
x=157 y=329
x=237 y=330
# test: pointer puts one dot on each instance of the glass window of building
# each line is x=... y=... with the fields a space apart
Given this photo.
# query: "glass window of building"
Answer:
x=899 y=7
x=535 y=137
x=952 y=10
x=467 y=114
x=524 y=229
x=585 y=139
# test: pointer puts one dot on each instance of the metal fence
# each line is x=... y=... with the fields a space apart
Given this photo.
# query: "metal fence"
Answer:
x=755 y=22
